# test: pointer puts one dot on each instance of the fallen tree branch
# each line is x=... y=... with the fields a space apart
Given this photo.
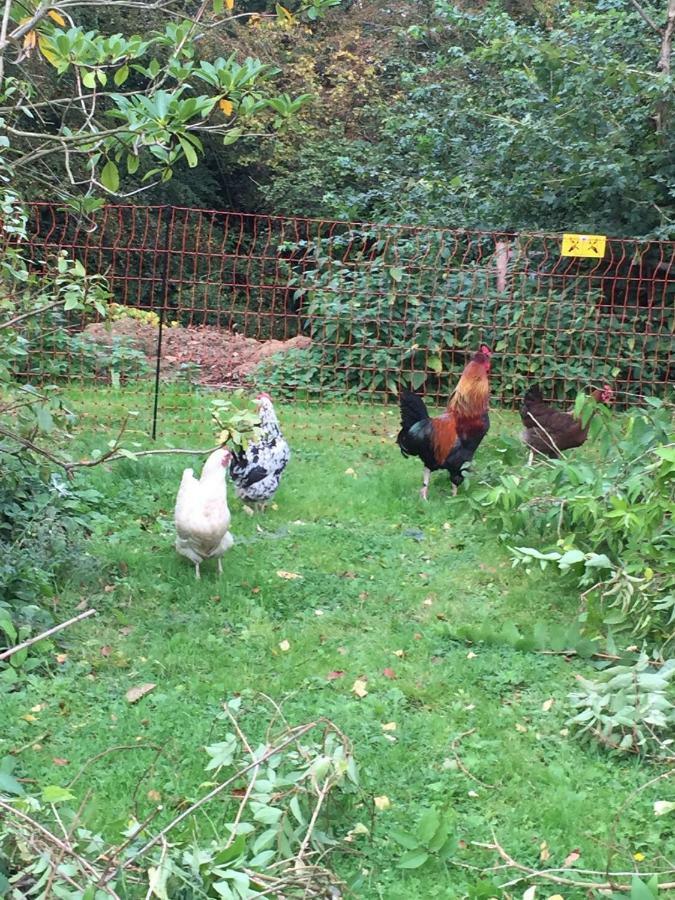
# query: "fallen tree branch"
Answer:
x=273 y=751
x=45 y=634
x=113 y=454
x=36 y=827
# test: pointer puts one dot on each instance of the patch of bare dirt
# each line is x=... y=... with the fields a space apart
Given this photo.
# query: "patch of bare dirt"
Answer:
x=223 y=357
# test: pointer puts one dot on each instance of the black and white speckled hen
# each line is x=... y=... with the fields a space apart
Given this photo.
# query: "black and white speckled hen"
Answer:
x=256 y=471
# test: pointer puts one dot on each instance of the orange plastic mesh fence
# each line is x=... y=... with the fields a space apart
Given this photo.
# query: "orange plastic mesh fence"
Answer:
x=316 y=309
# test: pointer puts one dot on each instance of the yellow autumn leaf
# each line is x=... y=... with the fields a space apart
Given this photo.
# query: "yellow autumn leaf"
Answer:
x=56 y=17
x=638 y=856
x=547 y=704
x=382 y=802
x=545 y=853
x=359 y=688
x=226 y=106
x=389 y=726
x=289 y=576
x=47 y=50
x=284 y=15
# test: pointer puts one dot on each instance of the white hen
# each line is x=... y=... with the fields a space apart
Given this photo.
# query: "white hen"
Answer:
x=202 y=516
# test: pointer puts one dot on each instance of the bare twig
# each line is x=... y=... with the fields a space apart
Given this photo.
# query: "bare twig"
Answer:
x=251 y=784
x=629 y=799
x=109 y=750
x=8 y=323
x=45 y=634
x=551 y=875
x=454 y=745
x=321 y=796
x=644 y=15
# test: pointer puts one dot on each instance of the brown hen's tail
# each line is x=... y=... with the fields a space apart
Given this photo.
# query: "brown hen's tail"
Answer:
x=533 y=394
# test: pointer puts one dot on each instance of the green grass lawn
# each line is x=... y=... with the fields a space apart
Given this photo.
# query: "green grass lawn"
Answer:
x=381 y=572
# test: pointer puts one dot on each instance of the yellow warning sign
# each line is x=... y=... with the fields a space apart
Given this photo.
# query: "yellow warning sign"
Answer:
x=584 y=245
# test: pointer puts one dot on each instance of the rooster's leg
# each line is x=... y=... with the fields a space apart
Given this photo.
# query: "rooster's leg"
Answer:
x=197 y=571
x=425 y=487
x=531 y=459
x=454 y=490
x=220 y=566
x=247 y=510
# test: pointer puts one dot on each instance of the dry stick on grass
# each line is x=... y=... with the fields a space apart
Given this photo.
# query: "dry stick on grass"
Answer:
x=550 y=875
x=105 y=752
x=460 y=765
x=251 y=784
x=629 y=799
x=45 y=634
x=114 y=854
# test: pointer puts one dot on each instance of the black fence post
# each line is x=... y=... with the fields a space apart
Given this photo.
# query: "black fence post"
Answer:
x=168 y=211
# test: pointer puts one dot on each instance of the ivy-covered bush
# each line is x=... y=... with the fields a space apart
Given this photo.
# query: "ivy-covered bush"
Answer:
x=385 y=314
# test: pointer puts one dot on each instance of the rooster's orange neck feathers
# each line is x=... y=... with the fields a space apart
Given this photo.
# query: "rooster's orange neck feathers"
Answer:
x=472 y=393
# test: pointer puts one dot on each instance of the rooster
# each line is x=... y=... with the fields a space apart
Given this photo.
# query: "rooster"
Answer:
x=202 y=516
x=549 y=430
x=450 y=440
x=256 y=472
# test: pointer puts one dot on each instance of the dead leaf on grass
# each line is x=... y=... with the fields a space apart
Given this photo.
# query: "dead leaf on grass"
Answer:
x=399 y=653
x=382 y=803
x=571 y=858
x=289 y=576
x=106 y=651
x=134 y=694
x=335 y=674
x=284 y=646
x=547 y=704
x=544 y=852
x=60 y=761
x=389 y=673
x=359 y=688
x=389 y=726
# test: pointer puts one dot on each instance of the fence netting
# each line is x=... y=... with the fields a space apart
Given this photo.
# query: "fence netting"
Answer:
x=316 y=309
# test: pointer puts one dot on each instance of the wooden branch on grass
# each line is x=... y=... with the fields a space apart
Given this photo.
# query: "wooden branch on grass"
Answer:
x=114 y=453
x=51 y=838
x=45 y=634
x=273 y=751
x=551 y=875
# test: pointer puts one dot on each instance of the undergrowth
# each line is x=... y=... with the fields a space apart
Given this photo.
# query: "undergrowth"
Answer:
x=401 y=623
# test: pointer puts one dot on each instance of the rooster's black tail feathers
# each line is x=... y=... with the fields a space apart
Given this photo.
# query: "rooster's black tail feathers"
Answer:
x=413 y=410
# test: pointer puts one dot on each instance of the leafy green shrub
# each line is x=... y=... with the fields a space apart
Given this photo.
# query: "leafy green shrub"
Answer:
x=608 y=525
x=42 y=521
x=381 y=315
x=628 y=707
